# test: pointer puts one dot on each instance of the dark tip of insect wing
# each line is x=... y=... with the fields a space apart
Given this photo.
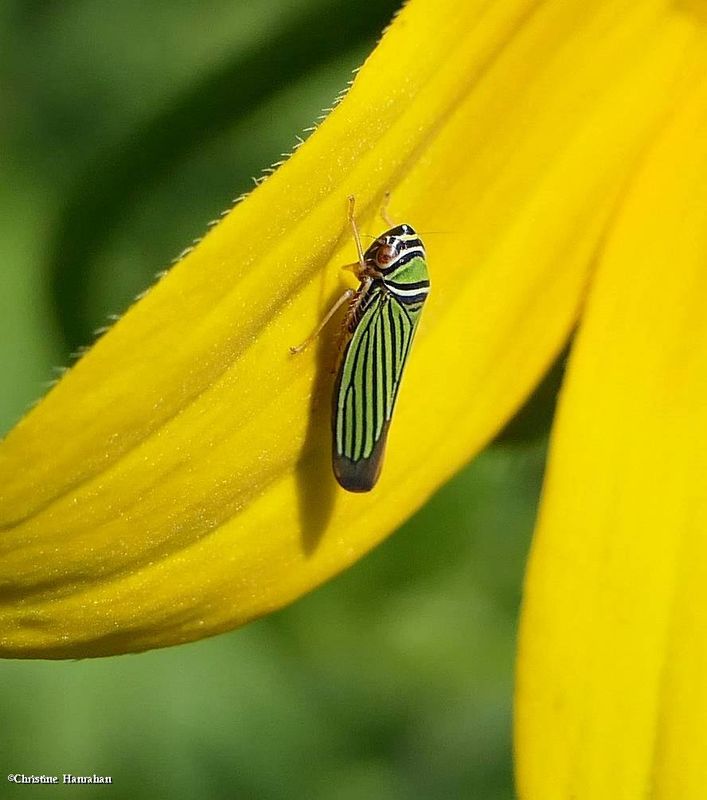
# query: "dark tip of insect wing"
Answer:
x=359 y=476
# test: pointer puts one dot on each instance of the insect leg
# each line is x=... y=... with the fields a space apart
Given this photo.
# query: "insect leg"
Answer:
x=384 y=211
x=354 y=228
x=359 y=296
x=350 y=320
x=345 y=297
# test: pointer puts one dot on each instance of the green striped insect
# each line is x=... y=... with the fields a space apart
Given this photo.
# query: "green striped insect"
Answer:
x=380 y=323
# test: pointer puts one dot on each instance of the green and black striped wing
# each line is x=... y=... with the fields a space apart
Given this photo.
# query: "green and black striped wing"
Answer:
x=367 y=386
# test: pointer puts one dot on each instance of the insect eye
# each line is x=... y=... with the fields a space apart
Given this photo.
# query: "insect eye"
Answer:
x=386 y=254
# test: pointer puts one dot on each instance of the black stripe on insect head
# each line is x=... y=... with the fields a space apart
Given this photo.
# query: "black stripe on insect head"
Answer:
x=400 y=230
x=401 y=260
x=404 y=244
x=389 y=239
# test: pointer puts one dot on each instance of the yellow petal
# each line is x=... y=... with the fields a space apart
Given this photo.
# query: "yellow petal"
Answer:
x=177 y=482
x=611 y=699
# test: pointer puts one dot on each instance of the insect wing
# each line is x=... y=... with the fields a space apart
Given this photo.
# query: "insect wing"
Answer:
x=366 y=388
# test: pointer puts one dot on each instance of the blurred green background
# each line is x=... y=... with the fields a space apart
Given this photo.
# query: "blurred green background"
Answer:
x=125 y=128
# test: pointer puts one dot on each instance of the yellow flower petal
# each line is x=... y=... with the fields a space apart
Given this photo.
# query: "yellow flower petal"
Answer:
x=177 y=482
x=611 y=699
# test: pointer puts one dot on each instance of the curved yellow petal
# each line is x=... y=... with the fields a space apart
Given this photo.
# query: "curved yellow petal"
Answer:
x=611 y=697
x=177 y=481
